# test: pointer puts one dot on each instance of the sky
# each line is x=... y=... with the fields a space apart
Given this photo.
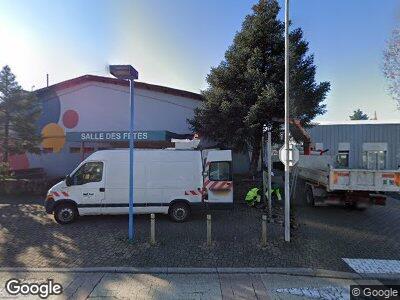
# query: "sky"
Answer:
x=176 y=42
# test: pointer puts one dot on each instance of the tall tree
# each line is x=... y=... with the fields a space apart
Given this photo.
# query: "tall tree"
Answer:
x=391 y=65
x=19 y=111
x=246 y=90
x=358 y=115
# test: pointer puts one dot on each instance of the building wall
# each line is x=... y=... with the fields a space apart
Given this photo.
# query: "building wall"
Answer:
x=356 y=135
x=96 y=106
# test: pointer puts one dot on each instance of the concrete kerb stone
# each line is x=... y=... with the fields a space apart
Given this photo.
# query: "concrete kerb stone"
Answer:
x=172 y=270
x=241 y=270
x=380 y=275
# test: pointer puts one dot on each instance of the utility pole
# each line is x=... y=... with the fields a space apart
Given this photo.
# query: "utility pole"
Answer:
x=269 y=157
x=287 y=172
x=127 y=72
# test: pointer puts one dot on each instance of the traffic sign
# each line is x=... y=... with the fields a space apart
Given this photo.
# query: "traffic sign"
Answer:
x=293 y=155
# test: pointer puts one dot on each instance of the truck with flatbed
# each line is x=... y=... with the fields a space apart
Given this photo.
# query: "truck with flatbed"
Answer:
x=327 y=185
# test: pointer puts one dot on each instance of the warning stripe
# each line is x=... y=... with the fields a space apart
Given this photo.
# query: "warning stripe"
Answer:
x=60 y=194
x=194 y=193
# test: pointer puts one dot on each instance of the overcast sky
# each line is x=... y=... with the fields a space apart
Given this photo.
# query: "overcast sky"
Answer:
x=176 y=42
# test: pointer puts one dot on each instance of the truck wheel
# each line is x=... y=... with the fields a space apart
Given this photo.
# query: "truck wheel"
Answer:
x=179 y=212
x=309 y=196
x=65 y=213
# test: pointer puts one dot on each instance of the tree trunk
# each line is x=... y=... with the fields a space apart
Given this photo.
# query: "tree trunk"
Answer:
x=255 y=156
x=6 y=138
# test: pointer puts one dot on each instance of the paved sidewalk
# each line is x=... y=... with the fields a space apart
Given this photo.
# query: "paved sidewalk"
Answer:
x=191 y=285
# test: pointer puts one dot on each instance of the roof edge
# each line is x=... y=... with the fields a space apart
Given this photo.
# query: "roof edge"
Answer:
x=356 y=122
x=140 y=85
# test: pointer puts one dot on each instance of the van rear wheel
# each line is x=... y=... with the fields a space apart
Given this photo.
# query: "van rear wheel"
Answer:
x=179 y=212
x=65 y=213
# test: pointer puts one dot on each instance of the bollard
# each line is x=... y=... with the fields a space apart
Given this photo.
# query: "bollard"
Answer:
x=152 y=229
x=264 y=231
x=208 y=230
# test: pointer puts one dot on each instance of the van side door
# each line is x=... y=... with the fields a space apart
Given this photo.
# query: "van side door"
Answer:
x=218 y=181
x=88 y=183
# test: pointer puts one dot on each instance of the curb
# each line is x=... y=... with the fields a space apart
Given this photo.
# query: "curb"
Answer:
x=279 y=271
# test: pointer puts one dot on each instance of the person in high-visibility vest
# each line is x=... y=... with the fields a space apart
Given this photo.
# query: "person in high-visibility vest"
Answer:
x=275 y=190
x=253 y=196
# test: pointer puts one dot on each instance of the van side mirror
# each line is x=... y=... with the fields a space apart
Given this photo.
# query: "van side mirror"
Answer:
x=205 y=174
x=68 y=180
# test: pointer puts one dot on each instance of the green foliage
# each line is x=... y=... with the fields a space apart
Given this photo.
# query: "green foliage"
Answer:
x=19 y=111
x=358 y=115
x=247 y=89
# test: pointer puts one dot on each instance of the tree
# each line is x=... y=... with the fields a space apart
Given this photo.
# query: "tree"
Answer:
x=246 y=90
x=358 y=115
x=19 y=111
x=391 y=65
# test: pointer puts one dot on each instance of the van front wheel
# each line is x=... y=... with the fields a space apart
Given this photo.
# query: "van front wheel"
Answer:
x=65 y=213
x=179 y=212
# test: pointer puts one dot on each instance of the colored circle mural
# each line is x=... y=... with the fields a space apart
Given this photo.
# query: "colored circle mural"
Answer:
x=70 y=118
x=53 y=137
x=50 y=111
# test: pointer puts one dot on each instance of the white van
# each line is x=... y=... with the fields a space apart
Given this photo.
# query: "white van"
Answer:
x=170 y=181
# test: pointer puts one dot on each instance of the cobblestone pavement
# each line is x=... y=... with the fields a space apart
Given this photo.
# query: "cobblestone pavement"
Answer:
x=31 y=238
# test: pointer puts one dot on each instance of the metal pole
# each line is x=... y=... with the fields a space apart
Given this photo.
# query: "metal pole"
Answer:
x=287 y=196
x=264 y=231
x=152 y=229
x=208 y=230
x=264 y=175
x=131 y=162
x=269 y=156
x=82 y=151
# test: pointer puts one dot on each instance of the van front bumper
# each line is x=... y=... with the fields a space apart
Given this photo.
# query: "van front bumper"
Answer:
x=49 y=205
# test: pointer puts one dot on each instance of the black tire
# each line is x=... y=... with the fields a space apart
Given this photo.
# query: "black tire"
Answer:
x=179 y=212
x=65 y=213
x=309 y=196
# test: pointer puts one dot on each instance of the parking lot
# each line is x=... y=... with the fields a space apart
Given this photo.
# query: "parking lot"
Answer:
x=31 y=238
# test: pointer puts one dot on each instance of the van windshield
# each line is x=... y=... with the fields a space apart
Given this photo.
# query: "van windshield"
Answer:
x=88 y=172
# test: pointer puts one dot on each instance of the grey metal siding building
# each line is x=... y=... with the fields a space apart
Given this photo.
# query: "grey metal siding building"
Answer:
x=367 y=144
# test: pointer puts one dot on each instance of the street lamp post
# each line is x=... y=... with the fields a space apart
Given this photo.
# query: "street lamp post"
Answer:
x=127 y=72
x=287 y=196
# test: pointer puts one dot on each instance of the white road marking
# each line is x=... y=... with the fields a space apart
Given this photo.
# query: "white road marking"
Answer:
x=328 y=292
x=374 y=266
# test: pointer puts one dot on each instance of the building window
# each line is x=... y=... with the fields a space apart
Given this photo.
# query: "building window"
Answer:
x=47 y=150
x=342 y=159
x=374 y=156
x=374 y=160
x=74 y=150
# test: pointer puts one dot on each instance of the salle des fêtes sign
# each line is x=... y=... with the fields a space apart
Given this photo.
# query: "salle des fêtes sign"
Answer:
x=121 y=136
